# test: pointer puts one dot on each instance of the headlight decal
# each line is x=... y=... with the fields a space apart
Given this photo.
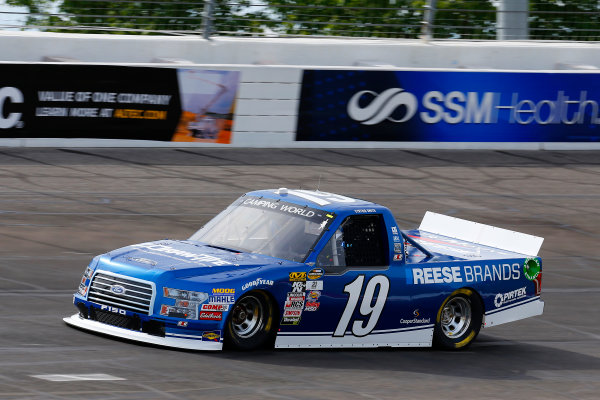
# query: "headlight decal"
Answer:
x=186 y=303
x=85 y=281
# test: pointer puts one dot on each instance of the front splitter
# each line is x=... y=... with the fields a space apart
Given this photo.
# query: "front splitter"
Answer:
x=179 y=343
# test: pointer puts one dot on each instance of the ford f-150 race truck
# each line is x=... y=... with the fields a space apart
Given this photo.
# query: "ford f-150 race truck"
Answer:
x=299 y=268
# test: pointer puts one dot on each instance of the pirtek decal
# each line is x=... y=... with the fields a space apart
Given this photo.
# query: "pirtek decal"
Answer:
x=514 y=295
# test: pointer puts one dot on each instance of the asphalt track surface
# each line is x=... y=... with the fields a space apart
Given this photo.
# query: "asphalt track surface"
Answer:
x=60 y=207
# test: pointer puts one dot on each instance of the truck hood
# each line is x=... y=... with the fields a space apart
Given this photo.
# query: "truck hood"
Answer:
x=185 y=260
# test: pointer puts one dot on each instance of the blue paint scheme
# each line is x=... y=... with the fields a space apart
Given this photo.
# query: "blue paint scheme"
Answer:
x=448 y=264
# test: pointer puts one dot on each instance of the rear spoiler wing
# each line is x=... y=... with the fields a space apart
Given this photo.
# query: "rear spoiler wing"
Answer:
x=477 y=233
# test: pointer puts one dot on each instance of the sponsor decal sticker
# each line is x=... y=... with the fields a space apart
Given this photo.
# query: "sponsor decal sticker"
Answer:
x=283 y=207
x=257 y=282
x=296 y=296
x=466 y=273
x=531 y=268
x=211 y=336
x=312 y=306
x=161 y=248
x=365 y=210
x=215 y=307
x=299 y=286
x=509 y=297
x=416 y=321
x=396 y=238
x=222 y=299
x=292 y=313
x=182 y=324
x=210 y=316
x=314 y=285
x=314 y=295
x=223 y=291
x=315 y=273
x=397 y=257
x=397 y=247
x=143 y=260
x=297 y=276
x=296 y=304
x=394 y=230
x=290 y=321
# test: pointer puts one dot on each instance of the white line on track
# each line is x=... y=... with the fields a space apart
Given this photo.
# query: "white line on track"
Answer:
x=77 y=377
x=570 y=290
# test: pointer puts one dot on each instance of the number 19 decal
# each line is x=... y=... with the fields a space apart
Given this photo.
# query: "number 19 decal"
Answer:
x=373 y=312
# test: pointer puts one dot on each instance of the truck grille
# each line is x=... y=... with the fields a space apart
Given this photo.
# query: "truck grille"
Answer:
x=122 y=292
x=122 y=321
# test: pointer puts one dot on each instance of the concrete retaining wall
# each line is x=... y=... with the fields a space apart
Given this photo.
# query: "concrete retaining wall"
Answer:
x=266 y=112
x=399 y=53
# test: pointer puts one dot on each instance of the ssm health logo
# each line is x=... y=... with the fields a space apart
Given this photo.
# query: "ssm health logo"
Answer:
x=398 y=105
x=382 y=107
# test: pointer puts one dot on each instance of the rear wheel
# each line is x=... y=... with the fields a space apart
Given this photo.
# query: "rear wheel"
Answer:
x=458 y=320
x=251 y=323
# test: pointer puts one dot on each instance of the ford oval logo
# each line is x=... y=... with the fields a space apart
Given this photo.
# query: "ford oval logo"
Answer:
x=117 y=289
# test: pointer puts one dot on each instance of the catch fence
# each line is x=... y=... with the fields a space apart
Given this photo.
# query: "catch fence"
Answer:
x=430 y=19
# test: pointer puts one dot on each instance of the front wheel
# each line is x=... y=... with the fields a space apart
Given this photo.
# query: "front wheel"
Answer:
x=458 y=320
x=250 y=324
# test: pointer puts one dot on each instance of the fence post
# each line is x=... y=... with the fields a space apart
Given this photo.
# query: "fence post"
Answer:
x=512 y=20
x=428 y=20
x=207 y=18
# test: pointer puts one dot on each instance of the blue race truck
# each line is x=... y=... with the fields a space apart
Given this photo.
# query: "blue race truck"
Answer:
x=298 y=268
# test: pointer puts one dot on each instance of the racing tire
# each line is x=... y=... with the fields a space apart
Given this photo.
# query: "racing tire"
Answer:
x=458 y=320
x=251 y=324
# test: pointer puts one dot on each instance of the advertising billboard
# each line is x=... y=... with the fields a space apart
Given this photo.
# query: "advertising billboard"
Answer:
x=116 y=102
x=449 y=106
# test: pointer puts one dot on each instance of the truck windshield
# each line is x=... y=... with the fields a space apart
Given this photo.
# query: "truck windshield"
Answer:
x=266 y=226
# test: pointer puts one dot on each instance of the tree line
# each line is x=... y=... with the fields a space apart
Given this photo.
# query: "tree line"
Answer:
x=458 y=19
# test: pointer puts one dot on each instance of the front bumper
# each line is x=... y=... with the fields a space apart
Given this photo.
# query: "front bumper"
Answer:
x=179 y=341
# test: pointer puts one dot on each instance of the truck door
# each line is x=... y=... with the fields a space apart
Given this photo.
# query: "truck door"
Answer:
x=357 y=287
